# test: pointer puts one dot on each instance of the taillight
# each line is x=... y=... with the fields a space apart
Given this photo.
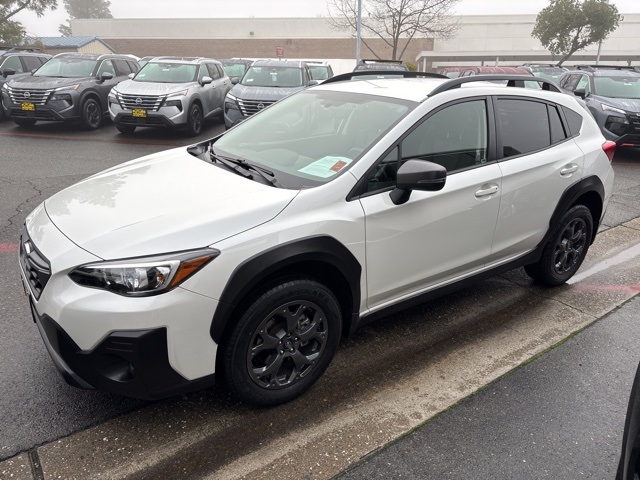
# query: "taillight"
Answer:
x=609 y=148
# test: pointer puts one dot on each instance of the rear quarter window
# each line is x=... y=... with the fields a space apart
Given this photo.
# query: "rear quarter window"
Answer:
x=574 y=121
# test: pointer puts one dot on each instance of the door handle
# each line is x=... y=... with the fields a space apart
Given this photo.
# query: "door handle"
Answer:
x=483 y=192
x=567 y=170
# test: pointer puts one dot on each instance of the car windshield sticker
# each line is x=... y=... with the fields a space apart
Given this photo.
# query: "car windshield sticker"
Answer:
x=326 y=166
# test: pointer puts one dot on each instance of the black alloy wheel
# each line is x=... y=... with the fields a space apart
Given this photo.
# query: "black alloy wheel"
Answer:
x=91 y=117
x=194 y=121
x=283 y=342
x=566 y=249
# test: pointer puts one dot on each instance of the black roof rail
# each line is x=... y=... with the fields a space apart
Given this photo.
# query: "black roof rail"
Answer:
x=381 y=74
x=19 y=49
x=512 y=81
x=593 y=68
x=378 y=60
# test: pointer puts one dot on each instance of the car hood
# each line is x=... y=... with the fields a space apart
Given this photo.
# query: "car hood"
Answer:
x=166 y=202
x=131 y=87
x=627 y=104
x=31 y=81
x=246 y=92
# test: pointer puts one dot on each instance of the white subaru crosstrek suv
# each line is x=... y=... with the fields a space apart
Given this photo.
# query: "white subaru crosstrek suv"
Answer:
x=329 y=209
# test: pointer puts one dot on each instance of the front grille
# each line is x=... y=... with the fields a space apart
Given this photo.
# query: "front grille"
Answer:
x=249 y=107
x=635 y=121
x=148 y=102
x=35 y=266
x=37 y=97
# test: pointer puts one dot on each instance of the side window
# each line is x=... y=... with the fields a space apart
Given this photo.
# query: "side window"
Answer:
x=570 y=82
x=454 y=137
x=106 y=66
x=383 y=174
x=557 y=130
x=203 y=72
x=133 y=66
x=122 y=66
x=221 y=71
x=583 y=84
x=524 y=126
x=31 y=63
x=13 y=62
x=213 y=71
x=574 y=120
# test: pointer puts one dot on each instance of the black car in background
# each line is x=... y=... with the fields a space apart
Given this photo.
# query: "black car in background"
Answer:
x=70 y=87
x=19 y=61
x=612 y=95
x=548 y=71
x=377 y=64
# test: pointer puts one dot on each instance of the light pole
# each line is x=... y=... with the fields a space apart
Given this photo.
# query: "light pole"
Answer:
x=358 y=24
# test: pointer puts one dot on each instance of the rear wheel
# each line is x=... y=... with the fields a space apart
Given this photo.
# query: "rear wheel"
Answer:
x=566 y=249
x=91 y=114
x=283 y=342
x=25 y=122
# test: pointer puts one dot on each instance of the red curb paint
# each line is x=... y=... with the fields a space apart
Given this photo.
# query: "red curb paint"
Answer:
x=9 y=248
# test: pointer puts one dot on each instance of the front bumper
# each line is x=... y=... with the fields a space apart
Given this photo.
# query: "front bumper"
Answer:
x=51 y=111
x=170 y=117
x=134 y=363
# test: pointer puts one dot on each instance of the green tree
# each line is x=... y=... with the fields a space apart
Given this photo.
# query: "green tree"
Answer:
x=12 y=31
x=566 y=26
x=84 y=9
x=395 y=22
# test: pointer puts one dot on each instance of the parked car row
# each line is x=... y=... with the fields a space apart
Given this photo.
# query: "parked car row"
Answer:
x=174 y=92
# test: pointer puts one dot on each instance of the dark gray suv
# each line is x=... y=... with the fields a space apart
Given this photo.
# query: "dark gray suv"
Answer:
x=69 y=87
x=18 y=61
x=612 y=95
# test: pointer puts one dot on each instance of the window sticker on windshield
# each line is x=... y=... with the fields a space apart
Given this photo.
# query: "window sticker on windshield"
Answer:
x=326 y=166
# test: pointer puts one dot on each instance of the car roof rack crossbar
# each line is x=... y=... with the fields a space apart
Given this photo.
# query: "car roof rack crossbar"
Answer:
x=8 y=49
x=593 y=68
x=378 y=60
x=382 y=74
x=512 y=81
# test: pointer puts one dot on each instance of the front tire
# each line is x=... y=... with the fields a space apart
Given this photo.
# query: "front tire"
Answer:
x=194 y=121
x=566 y=249
x=283 y=342
x=91 y=115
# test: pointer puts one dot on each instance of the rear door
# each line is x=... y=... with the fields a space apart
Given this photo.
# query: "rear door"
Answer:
x=539 y=162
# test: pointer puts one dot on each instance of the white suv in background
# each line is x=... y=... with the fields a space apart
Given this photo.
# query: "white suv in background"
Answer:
x=331 y=208
x=174 y=92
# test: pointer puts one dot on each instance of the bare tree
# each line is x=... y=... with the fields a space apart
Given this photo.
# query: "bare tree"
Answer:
x=395 y=22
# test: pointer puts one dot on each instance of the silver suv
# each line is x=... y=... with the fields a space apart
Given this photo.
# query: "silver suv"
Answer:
x=170 y=92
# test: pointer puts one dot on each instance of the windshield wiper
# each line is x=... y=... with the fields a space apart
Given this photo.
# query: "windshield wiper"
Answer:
x=244 y=168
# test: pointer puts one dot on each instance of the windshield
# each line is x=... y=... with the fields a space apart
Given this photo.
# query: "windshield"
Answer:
x=67 y=67
x=167 y=73
x=234 y=69
x=617 y=87
x=310 y=137
x=273 y=77
x=319 y=72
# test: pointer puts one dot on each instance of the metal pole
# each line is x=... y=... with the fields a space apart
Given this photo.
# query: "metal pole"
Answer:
x=359 y=22
x=598 y=57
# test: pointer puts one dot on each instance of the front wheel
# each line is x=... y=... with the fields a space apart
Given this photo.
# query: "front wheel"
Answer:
x=566 y=249
x=194 y=121
x=283 y=342
x=91 y=114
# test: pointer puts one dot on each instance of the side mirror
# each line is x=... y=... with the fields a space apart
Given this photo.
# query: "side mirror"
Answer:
x=313 y=82
x=235 y=80
x=106 y=76
x=206 y=81
x=580 y=92
x=131 y=75
x=417 y=175
x=8 y=71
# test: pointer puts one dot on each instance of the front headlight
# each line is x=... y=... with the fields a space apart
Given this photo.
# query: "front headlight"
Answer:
x=5 y=86
x=69 y=87
x=608 y=108
x=139 y=277
x=230 y=102
x=182 y=93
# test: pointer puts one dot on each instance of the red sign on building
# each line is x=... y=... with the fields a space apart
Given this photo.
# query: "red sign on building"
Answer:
x=279 y=52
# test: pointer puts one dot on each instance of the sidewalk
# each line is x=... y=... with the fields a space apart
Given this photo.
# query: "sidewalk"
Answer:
x=560 y=416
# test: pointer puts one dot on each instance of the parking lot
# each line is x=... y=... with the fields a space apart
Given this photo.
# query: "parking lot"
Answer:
x=389 y=378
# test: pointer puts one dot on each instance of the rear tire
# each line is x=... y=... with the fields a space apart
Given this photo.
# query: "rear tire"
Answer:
x=282 y=343
x=566 y=249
